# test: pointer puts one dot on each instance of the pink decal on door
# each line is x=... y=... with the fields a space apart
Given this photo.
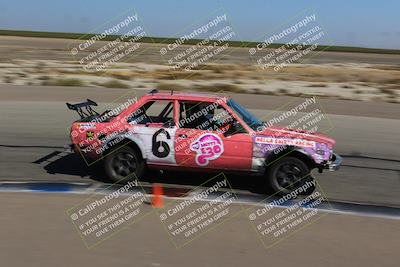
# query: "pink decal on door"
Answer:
x=208 y=147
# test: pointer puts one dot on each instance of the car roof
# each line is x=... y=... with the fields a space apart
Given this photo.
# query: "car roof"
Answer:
x=186 y=96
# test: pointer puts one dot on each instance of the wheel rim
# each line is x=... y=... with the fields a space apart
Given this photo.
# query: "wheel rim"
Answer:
x=288 y=175
x=124 y=163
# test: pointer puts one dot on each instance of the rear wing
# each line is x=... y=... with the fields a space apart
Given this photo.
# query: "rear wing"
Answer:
x=84 y=109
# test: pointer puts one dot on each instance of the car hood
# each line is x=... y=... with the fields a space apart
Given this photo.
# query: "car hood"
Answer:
x=280 y=132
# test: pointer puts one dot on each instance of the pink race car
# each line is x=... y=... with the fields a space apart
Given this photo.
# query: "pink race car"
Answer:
x=201 y=133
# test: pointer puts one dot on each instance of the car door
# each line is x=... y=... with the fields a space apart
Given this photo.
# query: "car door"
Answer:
x=153 y=127
x=203 y=138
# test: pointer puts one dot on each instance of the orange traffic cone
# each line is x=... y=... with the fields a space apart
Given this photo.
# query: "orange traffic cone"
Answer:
x=157 y=201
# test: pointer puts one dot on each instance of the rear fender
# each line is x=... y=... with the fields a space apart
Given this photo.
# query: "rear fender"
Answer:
x=122 y=140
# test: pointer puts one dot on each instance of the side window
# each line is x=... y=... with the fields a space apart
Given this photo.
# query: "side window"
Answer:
x=203 y=116
x=158 y=111
x=193 y=115
x=223 y=122
x=221 y=117
x=228 y=124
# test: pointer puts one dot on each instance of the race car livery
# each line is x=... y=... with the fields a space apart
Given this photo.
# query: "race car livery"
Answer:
x=196 y=132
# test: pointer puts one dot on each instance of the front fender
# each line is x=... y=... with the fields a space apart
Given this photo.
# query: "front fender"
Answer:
x=298 y=152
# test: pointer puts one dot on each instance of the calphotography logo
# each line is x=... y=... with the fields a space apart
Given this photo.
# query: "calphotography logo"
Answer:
x=107 y=212
x=208 y=147
x=114 y=42
x=201 y=43
x=281 y=216
x=290 y=44
x=211 y=205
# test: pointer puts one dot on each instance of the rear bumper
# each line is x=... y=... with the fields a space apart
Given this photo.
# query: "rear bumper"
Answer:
x=334 y=163
x=71 y=148
x=89 y=155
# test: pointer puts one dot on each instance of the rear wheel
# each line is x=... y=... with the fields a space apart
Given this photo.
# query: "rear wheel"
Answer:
x=124 y=164
x=288 y=174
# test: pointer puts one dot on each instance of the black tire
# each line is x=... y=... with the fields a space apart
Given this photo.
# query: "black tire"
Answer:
x=124 y=164
x=287 y=174
x=310 y=189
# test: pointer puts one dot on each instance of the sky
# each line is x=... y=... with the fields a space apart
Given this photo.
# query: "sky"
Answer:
x=363 y=23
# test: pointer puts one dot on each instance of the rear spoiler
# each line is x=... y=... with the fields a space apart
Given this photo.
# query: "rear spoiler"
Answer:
x=84 y=109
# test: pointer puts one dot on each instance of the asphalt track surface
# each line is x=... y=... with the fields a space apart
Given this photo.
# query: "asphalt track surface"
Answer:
x=35 y=125
x=36 y=232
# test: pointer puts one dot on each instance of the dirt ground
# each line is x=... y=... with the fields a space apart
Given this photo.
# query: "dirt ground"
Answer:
x=352 y=76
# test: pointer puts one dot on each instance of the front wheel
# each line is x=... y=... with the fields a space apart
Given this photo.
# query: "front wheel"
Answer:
x=288 y=174
x=124 y=164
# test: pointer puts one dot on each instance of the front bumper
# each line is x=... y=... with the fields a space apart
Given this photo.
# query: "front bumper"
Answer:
x=334 y=163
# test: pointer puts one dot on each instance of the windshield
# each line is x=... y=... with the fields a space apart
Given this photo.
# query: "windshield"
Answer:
x=246 y=116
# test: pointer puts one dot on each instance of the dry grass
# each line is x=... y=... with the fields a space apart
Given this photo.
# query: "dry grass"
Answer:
x=387 y=91
x=64 y=82
x=346 y=86
x=308 y=73
x=362 y=81
x=317 y=85
x=220 y=87
x=386 y=67
x=113 y=84
x=394 y=87
x=122 y=75
x=170 y=86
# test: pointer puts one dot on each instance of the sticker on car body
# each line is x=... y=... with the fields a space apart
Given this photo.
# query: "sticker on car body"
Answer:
x=284 y=141
x=86 y=126
x=90 y=135
x=208 y=147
